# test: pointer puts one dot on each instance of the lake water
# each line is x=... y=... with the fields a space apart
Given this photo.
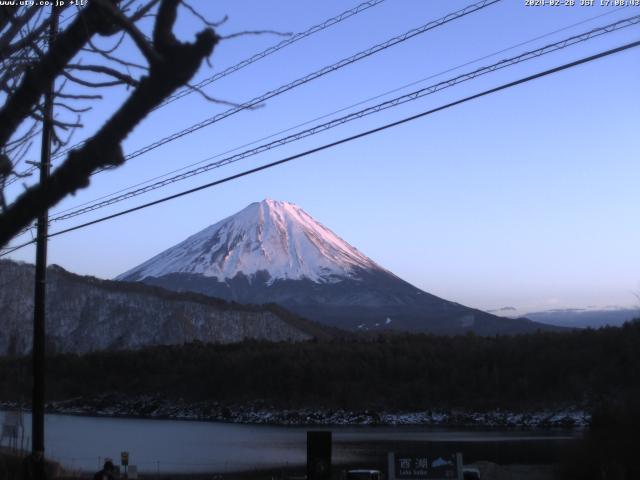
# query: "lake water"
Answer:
x=188 y=446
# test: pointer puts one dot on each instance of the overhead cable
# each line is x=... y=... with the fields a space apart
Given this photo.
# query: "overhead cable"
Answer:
x=256 y=101
x=306 y=153
x=284 y=43
x=327 y=115
x=256 y=57
x=400 y=100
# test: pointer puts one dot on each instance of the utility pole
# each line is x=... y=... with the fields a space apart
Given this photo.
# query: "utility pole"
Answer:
x=37 y=421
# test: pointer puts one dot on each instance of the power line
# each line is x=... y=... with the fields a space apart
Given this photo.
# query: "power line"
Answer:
x=43 y=43
x=366 y=133
x=8 y=251
x=313 y=76
x=319 y=73
x=409 y=97
x=284 y=43
x=258 y=56
x=361 y=102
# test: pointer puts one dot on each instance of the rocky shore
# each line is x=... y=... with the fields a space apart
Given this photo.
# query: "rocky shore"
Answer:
x=153 y=407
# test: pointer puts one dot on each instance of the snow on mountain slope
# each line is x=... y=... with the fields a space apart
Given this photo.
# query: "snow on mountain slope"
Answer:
x=273 y=236
x=309 y=271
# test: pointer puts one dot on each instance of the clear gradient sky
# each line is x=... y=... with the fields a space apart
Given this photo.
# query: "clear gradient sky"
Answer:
x=527 y=198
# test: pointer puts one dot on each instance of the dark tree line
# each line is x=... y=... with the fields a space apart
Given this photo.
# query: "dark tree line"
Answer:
x=393 y=372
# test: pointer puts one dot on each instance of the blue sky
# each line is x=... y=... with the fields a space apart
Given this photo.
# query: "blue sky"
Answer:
x=526 y=198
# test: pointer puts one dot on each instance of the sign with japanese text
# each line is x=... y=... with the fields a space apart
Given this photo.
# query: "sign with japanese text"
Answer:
x=424 y=467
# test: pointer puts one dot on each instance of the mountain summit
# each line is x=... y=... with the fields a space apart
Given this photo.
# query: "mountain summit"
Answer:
x=278 y=238
x=274 y=252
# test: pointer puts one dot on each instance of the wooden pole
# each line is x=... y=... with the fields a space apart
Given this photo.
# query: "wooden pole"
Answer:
x=39 y=332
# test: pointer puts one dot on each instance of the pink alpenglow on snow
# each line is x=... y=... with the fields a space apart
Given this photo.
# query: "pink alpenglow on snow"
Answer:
x=274 y=252
x=273 y=236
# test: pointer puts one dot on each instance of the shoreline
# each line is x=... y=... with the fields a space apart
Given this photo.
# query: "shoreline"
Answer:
x=154 y=408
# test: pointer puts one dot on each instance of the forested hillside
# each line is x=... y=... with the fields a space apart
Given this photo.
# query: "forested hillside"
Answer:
x=87 y=314
x=390 y=372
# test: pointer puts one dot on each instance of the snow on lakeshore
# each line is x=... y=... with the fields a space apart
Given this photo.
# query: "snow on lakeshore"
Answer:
x=154 y=407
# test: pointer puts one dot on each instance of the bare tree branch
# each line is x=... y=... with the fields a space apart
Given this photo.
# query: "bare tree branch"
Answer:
x=177 y=63
x=90 y=84
x=25 y=41
x=107 y=54
x=35 y=80
x=16 y=25
x=201 y=17
x=219 y=101
x=78 y=96
x=70 y=108
x=22 y=138
x=143 y=10
x=138 y=37
x=6 y=16
x=123 y=78
x=55 y=122
x=110 y=50
x=255 y=32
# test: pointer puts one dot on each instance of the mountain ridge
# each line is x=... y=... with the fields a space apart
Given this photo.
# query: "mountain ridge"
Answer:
x=273 y=251
x=87 y=314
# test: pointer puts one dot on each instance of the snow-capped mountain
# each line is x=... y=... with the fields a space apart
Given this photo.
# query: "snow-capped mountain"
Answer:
x=274 y=252
x=270 y=236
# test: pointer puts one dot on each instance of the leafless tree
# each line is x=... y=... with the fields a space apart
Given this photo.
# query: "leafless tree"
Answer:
x=84 y=58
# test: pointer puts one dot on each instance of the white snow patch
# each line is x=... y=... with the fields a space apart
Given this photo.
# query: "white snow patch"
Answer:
x=273 y=236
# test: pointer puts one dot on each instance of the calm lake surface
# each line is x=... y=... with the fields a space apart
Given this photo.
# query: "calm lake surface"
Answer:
x=82 y=443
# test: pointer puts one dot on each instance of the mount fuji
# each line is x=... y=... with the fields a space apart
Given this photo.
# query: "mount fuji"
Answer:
x=274 y=252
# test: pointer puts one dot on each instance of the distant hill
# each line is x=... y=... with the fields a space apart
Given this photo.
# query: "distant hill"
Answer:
x=586 y=317
x=86 y=314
